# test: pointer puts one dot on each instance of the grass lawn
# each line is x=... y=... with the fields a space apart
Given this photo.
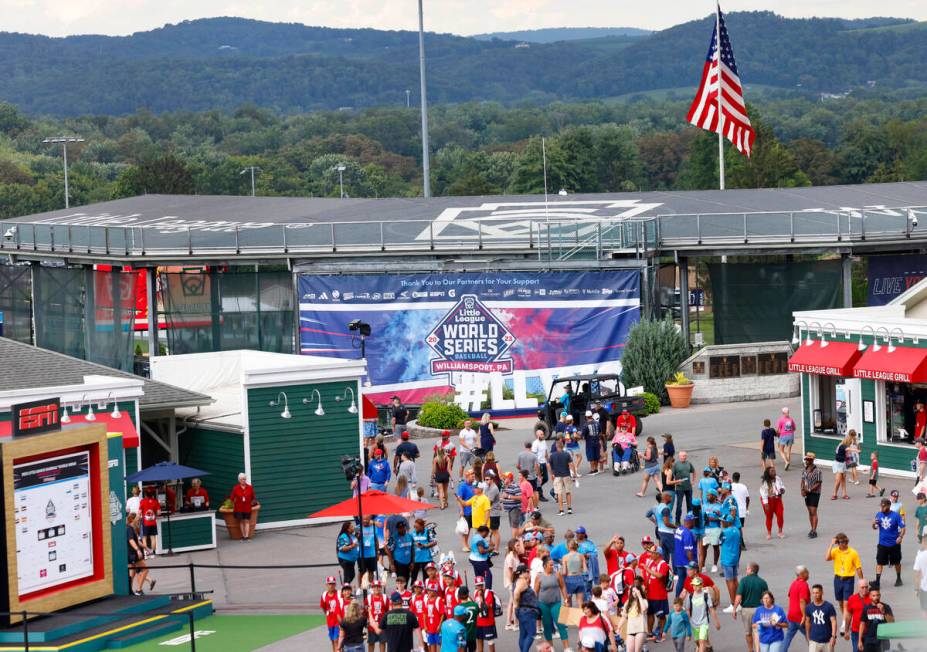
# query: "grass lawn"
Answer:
x=233 y=633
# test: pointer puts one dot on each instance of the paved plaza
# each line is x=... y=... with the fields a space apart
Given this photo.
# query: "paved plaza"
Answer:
x=605 y=505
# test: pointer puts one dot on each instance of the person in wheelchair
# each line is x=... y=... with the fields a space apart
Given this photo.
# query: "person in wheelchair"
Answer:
x=624 y=451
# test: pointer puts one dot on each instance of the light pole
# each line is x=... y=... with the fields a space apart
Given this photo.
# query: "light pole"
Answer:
x=408 y=99
x=252 y=169
x=426 y=164
x=64 y=140
x=341 y=167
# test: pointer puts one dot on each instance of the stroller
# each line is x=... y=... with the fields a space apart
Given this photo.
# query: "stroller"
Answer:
x=624 y=459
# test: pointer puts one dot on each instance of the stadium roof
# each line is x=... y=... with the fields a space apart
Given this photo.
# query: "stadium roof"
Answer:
x=152 y=211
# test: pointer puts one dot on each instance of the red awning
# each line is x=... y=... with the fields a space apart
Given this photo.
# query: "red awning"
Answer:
x=835 y=359
x=122 y=425
x=903 y=365
x=368 y=409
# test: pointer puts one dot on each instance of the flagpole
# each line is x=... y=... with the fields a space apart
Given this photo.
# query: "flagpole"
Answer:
x=720 y=112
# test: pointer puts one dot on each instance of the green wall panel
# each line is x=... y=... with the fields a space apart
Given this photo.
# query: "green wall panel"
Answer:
x=117 y=488
x=222 y=454
x=296 y=462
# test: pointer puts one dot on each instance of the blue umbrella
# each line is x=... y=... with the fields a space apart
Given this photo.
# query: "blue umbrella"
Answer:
x=163 y=471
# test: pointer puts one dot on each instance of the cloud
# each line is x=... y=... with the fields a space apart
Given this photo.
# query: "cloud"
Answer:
x=60 y=17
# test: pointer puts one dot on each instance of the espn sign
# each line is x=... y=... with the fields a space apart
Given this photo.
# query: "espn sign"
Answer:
x=36 y=417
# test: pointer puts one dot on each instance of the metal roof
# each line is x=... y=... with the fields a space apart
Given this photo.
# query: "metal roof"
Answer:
x=23 y=366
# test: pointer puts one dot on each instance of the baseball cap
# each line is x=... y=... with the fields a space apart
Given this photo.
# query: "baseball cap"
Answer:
x=479 y=580
x=448 y=572
x=647 y=540
x=418 y=584
x=707 y=469
x=509 y=475
x=588 y=413
x=580 y=530
x=569 y=417
x=696 y=581
x=377 y=583
x=712 y=492
x=895 y=493
x=689 y=517
x=810 y=455
x=445 y=434
x=430 y=564
x=630 y=559
x=432 y=586
x=481 y=486
x=459 y=611
x=693 y=565
x=920 y=495
x=395 y=597
x=405 y=434
x=535 y=514
x=331 y=580
x=490 y=473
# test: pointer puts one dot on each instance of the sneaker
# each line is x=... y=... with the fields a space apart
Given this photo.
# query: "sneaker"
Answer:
x=714 y=568
x=881 y=492
x=556 y=633
x=537 y=636
x=543 y=499
x=560 y=513
x=591 y=473
x=570 y=510
x=729 y=609
x=152 y=585
x=138 y=593
x=898 y=582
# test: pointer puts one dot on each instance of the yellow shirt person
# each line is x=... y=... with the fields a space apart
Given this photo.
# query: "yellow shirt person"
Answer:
x=479 y=506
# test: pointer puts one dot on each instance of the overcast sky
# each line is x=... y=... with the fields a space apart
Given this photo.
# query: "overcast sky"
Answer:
x=61 y=17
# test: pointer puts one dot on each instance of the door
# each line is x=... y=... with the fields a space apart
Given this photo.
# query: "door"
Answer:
x=853 y=404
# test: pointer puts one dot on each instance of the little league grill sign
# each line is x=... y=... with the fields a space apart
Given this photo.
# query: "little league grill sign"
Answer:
x=470 y=338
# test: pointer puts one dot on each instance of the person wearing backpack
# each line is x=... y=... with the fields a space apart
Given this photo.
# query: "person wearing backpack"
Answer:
x=701 y=610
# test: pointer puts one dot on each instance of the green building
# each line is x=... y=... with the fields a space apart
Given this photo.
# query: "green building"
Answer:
x=283 y=420
x=864 y=369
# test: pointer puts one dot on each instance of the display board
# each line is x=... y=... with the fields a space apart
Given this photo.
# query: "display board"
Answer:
x=500 y=337
x=54 y=535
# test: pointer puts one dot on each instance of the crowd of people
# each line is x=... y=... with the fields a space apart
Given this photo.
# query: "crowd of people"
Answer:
x=685 y=576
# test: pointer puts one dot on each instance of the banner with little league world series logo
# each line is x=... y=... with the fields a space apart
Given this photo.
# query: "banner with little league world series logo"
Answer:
x=472 y=333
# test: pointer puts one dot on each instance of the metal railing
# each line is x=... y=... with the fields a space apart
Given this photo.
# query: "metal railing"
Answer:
x=557 y=239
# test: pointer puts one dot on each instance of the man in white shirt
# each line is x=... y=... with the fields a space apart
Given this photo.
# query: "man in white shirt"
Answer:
x=742 y=496
x=540 y=449
x=920 y=576
x=467 y=444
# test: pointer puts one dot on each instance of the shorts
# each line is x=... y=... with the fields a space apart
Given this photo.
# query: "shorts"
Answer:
x=563 y=486
x=652 y=471
x=486 y=633
x=515 y=518
x=574 y=584
x=873 y=482
x=466 y=458
x=700 y=632
x=840 y=467
x=712 y=536
x=812 y=499
x=771 y=455
x=333 y=633
x=658 y=608
x=814 y=646
x=888 y=555
x=573 y=448
x=746 y=617
x=730 y=572
x=844 y=587
x=373 y=637
x=494 y=522
x=242 y=516
x=431 y=638
x=923 y=598
x=469 y=519
x=150 y=530
x=786 y=440
x=368 y=564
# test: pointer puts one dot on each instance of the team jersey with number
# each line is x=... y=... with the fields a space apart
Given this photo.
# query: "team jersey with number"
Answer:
x=434 y=614
x=417 y=606
x=330 y=603
x=486 y=616
x=377 y=606
x=450 y=600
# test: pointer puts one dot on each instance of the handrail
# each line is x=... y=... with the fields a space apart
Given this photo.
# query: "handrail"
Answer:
x=560 y=239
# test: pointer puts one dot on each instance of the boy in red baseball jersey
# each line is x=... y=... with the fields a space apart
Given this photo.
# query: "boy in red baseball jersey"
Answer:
x=330 y=603
x=377 y=605
x=417 y=606
x=434 y=616
x=486 y=633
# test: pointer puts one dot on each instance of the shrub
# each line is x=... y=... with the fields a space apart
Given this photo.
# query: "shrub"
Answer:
x=441 y=412
x=651 y=403
x=653 y=352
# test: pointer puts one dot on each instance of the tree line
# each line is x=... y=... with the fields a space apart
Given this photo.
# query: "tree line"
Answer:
x=478 y=149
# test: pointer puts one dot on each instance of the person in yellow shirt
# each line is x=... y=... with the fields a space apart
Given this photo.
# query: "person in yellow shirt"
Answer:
x=479 y=505
x=847 y=568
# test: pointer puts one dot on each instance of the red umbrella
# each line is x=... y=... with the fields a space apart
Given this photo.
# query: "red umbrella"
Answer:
x=374 y=502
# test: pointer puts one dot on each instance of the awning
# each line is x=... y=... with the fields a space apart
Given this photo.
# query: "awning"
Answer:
x=902 y=365
x=369 y=410
x=835 y=359
x=123 y=425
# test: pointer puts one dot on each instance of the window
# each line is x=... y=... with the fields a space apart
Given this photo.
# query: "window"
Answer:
x=899 y=405
x=828 y=406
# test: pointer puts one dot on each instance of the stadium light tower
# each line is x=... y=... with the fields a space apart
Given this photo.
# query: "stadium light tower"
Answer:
x=64 y=140
x=341 y=167
x=426 y=164
x=252 y=169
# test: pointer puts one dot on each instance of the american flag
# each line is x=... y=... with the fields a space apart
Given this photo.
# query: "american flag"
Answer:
x=704 y=110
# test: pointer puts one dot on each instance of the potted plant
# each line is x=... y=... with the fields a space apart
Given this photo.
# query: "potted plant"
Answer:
x=233 y=524
x=679 y=389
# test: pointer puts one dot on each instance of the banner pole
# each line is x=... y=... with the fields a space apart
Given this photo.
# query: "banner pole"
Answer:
x=720 y=112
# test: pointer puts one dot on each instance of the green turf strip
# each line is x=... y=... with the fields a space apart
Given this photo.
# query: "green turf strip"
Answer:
x=234 y=633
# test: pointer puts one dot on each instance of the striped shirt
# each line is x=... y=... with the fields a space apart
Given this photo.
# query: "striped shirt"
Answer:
x=809 y=478
x=511 y=496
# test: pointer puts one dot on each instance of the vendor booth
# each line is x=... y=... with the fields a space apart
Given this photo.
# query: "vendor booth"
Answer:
x=283 y=420
x=864 y=369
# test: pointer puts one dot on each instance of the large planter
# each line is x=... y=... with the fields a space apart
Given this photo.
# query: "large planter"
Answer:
x=233 y=525
x=680 y=395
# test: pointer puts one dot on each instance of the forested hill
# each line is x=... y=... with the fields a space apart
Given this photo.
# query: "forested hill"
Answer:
x=224 y=62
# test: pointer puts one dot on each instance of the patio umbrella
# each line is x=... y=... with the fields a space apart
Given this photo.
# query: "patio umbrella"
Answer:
x=163 y=471
x=904 y=629
x=374 y=502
